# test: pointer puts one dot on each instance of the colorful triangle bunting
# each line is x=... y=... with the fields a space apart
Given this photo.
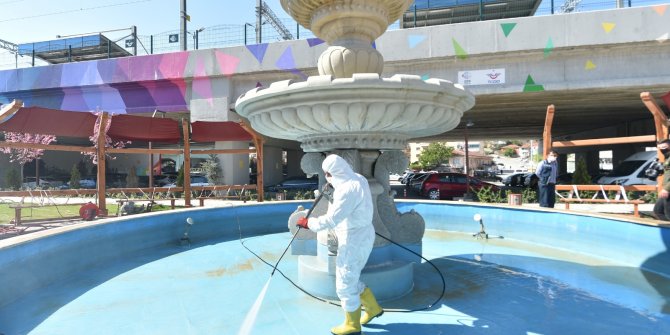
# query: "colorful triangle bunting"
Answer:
x=414 y=40
x=507 y=28
x=589 y=65
x=458 y=49
x=531 y=86
x=549 y=47
x=608 y=26
x=660 y=9
x=258 y=50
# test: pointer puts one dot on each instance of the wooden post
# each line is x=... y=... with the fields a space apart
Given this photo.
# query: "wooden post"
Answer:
x=258 y=143
x=546 y=135
x=10 y=109
x=187 y=162
x=102 y=202
x=661 y=124
x=151 y=168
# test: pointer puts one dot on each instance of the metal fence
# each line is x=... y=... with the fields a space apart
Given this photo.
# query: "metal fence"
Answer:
x=227 y=35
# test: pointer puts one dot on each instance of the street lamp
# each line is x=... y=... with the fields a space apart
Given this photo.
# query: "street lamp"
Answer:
x=245 y=31
x=467 y=195
x=196 y=36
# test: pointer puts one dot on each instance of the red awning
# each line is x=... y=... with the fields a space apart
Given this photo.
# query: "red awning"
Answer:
x=218 y=131
x=139 y=128
x=38 y=120
x=45 y=121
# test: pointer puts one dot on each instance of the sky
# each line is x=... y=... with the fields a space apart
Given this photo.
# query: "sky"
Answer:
x=24 y=21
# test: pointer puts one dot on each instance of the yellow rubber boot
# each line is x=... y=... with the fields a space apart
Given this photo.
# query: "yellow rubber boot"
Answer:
x=351 y=325
x=372 y=308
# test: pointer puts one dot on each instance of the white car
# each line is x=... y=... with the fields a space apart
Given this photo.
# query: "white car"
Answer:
x=31 y=183
x=395 y=177
x=195 y=181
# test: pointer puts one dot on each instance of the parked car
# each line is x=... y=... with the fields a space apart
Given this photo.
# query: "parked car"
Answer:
x=295 y=183
x=530 y=180
x=406 y=177
x=631 y=170
x=163 y=180
x=449 y=185
x=196 y=180
x=417 y=180
x=31 y=182
x=514 y=180
x=87 y=183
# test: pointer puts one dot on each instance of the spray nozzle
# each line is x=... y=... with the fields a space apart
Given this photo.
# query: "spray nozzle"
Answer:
x=189 y=221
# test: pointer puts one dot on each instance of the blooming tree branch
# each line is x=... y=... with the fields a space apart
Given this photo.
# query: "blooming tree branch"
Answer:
x=108 y=140
x=26 y=155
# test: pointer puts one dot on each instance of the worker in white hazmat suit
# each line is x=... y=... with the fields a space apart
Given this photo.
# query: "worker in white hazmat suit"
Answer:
x=350 y=216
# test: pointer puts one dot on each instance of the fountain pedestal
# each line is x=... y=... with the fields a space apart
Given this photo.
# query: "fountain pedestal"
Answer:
x=351 y=111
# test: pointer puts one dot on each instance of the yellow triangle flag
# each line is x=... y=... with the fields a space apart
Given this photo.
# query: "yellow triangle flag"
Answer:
x=608 y=26
x=589 y=65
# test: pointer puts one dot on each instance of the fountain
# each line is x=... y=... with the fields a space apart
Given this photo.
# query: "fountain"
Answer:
x=350 y=110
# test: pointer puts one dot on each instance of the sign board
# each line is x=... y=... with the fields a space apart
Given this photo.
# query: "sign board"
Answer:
x=173 y=38
x=130 y=43
x=482 y=77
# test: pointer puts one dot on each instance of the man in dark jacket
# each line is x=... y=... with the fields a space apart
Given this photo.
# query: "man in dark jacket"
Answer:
x=547 y=171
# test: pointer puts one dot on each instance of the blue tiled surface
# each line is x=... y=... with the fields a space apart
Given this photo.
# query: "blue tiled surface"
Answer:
x=552 y=274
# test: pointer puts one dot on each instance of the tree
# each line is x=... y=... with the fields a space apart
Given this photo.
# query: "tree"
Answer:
x=581 y=174
x=212 y=169
x=75 y=177
x=509 y=152
x=180 y=176
x=25 y=155
x=435 y=154
x=13 y=180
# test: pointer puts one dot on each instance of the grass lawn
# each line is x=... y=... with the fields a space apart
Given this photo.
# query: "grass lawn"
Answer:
x=55 y=212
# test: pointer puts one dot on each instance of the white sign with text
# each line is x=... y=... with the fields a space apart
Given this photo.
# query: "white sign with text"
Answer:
x=481 y=77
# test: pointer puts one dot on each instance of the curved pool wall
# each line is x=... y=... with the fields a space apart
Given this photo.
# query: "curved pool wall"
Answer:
x=33 y=261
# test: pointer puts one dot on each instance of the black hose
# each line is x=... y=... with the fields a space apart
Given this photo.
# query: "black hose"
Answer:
x=444 y=284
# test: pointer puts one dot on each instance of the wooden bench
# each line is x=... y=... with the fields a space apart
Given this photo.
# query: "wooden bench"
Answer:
x=236 y=192
x=17 y=211
x=635 y=203
x=603 y=189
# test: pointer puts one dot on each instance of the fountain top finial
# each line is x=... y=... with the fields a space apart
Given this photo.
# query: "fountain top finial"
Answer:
x=319 y=15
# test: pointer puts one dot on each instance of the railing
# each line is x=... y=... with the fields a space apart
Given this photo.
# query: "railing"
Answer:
x=228 y=35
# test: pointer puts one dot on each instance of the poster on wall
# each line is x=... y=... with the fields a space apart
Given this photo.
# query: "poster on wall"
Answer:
x=481 y=77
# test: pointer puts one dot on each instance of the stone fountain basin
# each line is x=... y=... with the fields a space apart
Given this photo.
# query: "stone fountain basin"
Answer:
x=362 y=112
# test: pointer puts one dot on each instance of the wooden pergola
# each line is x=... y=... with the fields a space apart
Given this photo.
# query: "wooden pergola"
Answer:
x=101 y=150
x=660 y=123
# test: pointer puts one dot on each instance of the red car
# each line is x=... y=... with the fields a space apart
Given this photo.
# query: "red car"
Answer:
x=450 y=185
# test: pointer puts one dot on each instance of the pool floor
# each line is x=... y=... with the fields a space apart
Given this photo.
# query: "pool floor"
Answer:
x=492 y=287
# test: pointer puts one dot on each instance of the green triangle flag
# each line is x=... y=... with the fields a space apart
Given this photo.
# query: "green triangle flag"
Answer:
x=460 y=52
x=531 y=86
x=507 y=28
x=549 y=48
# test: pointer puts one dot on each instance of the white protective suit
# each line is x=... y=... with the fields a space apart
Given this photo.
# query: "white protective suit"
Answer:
x=350 y=216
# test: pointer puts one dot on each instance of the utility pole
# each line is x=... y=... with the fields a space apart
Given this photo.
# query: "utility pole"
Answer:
x=184 y=18
x=259 y=21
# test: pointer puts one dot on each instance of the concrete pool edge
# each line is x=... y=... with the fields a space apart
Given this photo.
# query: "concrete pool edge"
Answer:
x=37 y=261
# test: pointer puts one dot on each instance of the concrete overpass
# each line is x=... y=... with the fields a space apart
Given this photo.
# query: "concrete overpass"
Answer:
x=591 y=65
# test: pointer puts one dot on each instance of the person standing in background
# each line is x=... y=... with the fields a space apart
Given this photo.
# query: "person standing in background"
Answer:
x=547 y=171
